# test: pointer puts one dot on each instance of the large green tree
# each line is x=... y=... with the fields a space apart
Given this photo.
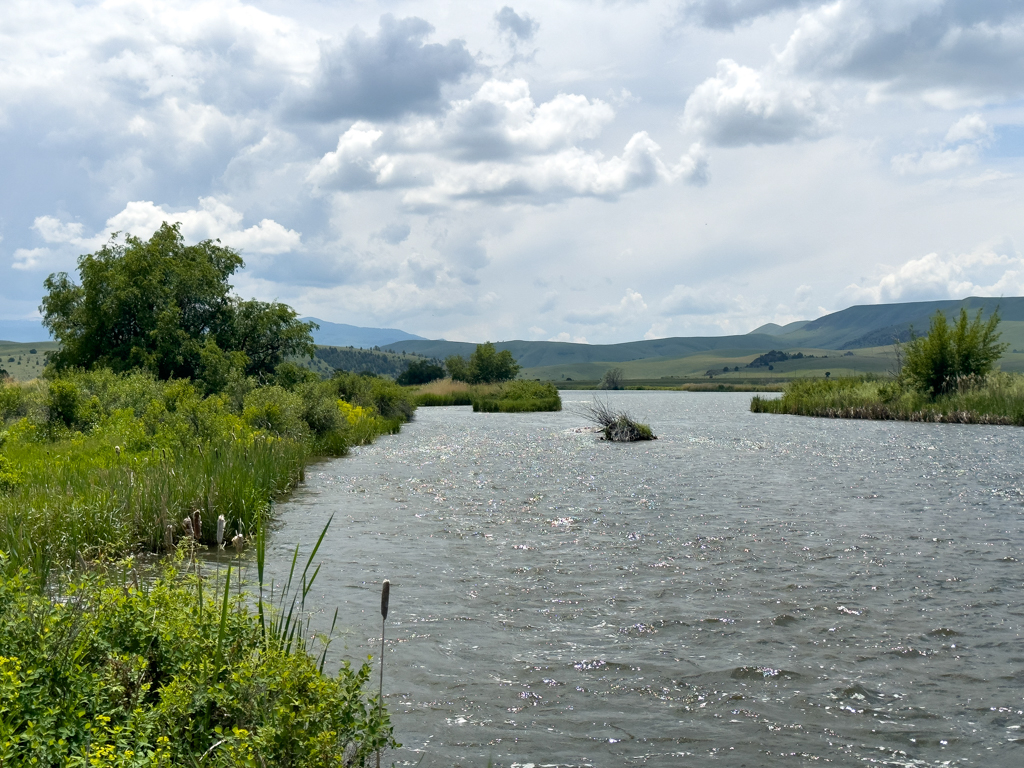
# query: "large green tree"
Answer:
x=485 y=366
x=166 y=307
x=936 y=362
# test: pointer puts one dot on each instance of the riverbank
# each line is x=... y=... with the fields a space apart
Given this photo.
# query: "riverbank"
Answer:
x=997 y=398
x=672 y=384
x=101 y=465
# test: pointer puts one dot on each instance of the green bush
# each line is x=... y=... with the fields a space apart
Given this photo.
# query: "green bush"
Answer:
x=485 y=366
x=276 y=411
x=166 y=673
x=420 y=372
x=935 y=363
x=520 y=397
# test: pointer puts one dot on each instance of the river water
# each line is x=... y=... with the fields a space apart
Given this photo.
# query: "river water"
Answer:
x=754 y=589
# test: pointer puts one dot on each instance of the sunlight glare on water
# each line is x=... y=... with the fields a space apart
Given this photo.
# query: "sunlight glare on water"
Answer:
x=764 y=590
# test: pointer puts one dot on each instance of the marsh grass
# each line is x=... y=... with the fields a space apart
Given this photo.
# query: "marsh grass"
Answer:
x=997 y=398
x=99 y=465
x=443 y=392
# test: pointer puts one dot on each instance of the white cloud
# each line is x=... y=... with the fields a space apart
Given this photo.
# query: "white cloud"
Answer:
x=26 y=259
x=500 y=145
x=212 y=220
x=568 y=337
x=630 y=308
x=989 y=270
x=741 y=106
x=962 y=147
x=692 y=300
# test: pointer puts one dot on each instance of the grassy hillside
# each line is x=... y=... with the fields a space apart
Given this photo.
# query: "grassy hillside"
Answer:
x=20 y=362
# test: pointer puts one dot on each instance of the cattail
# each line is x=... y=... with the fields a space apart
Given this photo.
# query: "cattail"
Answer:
x=187 y=525
x=169 y=537
x=238 y=542
x=220 y=532
x=385 y=596
x=197 y=524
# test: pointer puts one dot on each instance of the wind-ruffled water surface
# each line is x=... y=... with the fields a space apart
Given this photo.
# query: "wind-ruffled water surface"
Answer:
x=766 y=590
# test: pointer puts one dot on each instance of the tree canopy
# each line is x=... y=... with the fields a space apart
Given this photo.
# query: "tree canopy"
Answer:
x=167 y=307
x=485 y=366
x=936 y=362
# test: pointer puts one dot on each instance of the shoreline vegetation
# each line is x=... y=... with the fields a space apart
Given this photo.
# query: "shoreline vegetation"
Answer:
x=168 y=420
x=946 y=376
x=517 y=396
x=997 y=398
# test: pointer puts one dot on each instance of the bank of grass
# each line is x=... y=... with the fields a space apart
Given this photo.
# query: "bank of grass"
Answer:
x=997 y=398
x=520 y=396
x=102 y=465
x=106 y=669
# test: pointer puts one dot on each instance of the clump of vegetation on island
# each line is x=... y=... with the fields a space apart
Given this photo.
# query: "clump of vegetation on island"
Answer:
x=617 y=426
x=169 y=399
x=487 y=382
x=946 y=376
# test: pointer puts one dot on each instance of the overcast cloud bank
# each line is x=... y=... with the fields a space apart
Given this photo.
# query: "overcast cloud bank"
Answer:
x=563 y=170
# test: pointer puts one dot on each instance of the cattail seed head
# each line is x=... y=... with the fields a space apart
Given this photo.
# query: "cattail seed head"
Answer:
x=187 y=525
x=220 y=531
x=197 y=524
x=385 y=595
x=169 y=536
x=238 y=542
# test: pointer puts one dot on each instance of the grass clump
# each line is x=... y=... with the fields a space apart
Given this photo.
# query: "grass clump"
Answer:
x=519 y=397
x=617 y=426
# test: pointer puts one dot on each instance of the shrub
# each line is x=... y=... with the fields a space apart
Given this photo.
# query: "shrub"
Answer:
x=934 y=363
x=485 y=366
x=519 y=397
x=169 y=673
x=275 y=410
x=420 y=372
x=612 y=379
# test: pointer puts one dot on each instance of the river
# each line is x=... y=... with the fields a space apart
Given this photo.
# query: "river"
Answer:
x=763 y=590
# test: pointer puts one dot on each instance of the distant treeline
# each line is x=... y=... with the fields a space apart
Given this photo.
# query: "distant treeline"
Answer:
x=366 y=360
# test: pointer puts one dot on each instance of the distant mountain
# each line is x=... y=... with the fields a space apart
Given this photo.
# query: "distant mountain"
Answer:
x=341 y=335
x=874 y=325
x=773 y=329
x=858 y=327
x=23 y=331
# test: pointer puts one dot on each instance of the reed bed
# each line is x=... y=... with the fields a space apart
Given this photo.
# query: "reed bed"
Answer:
x=997 y=398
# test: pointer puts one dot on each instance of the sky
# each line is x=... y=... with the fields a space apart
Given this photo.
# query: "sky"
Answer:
x=574 y=170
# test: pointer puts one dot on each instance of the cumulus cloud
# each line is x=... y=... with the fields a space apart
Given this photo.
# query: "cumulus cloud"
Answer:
x=961 y=147
x=568 y=337
x=212 y=220
x=500 y=145
x=989 y=270
x=943 y=49
x=742 y=106
x=630 y=307
x=387 y=75
x=726 y=14
x=30 y=258
x=517 y=27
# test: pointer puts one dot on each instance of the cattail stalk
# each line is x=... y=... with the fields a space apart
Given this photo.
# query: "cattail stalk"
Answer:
x=385 y=595
x=221 y=522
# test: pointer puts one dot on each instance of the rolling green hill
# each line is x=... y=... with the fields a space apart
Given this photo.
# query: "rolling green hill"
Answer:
x=868 y=329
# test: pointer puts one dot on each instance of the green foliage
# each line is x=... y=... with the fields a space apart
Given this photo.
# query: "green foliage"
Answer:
x=373 y=360
x=936 y=362
x=99 y=462
x=420 y=372
x=169 y=672
x=520 y=397
x=997 y=398
x=485 y=366
x=166 y=308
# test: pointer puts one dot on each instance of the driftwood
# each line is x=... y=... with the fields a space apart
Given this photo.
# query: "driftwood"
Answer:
x=616 y=426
